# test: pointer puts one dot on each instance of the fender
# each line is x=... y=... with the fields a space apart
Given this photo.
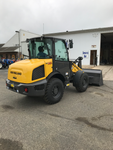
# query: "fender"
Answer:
x=76 y=77
x=56 y=74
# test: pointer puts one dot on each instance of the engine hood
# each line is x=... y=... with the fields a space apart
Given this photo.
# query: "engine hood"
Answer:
x=25 y=64
x=21 y=71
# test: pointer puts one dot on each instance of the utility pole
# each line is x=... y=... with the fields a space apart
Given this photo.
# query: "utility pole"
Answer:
x=18 y=42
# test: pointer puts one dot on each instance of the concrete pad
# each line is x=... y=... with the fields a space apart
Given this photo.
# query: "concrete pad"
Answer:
x=107 y=72
x=88 y=66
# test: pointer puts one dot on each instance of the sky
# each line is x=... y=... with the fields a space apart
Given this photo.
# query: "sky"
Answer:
x=51 y=16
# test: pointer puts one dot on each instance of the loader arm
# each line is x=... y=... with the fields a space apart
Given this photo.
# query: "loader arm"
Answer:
x=95 y=76
x=75 y=68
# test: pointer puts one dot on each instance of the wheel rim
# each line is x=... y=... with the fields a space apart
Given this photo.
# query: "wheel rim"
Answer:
x=55 y=91
x=84 y=82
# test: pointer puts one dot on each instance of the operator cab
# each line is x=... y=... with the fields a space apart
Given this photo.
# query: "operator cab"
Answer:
x=52 y=48
x=40 y=48
x=46 y=47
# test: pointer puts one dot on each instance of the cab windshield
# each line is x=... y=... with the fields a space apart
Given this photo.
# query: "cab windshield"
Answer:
x=40 y=48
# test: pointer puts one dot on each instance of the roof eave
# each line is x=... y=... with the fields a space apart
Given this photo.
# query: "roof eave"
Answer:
x=80 y=31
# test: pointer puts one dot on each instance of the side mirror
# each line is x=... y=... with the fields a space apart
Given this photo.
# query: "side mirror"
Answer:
x=70 y=43
x=29 y=53
x=27 y=40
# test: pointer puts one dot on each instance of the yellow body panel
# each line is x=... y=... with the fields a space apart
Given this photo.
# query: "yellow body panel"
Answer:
x=22 y=71
x=75 y=68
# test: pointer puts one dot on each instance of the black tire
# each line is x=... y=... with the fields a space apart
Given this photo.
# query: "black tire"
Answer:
x=1 y=65
x=5 y=65
x=83 y=83
x=54 y=91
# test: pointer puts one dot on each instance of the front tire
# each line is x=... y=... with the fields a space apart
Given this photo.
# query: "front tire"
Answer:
x=54 y=91
x=83 y=83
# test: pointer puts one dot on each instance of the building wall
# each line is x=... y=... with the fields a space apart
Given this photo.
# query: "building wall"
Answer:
x=23 y=36
x=10 y=55
x=20 y=39
x=84 y=42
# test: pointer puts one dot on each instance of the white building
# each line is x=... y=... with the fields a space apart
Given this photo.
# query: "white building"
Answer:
x=89 y=44
x=17 y=44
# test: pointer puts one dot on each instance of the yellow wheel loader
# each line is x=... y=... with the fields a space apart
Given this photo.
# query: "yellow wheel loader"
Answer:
x=48 y=70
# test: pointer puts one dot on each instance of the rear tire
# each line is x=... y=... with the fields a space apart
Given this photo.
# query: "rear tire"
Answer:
x=1 y=66
x=54 y=91
x=4 y=65
x=83 y=83
x=7 y=66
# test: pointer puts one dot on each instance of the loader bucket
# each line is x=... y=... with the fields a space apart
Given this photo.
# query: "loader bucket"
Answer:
x=95 y=76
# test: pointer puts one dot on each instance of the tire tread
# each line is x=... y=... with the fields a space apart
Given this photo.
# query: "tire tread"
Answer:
x=46 y=97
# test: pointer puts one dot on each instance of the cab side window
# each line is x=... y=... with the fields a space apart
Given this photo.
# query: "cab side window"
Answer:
x=60 y=51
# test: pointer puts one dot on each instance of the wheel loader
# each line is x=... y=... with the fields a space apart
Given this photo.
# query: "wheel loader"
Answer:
x=48 y=70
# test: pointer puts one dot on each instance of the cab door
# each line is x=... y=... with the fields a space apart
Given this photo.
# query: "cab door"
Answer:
x=61 y=60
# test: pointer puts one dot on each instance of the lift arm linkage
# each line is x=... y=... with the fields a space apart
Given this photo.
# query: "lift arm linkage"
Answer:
x=75 y=68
